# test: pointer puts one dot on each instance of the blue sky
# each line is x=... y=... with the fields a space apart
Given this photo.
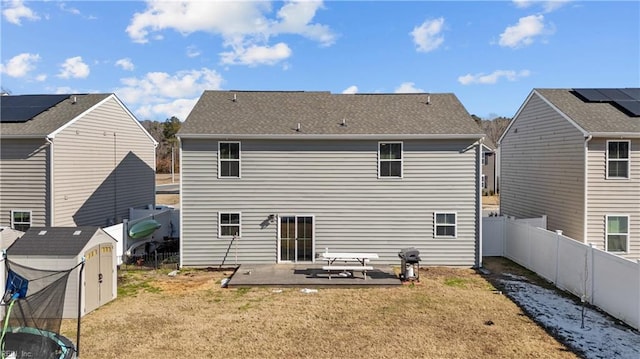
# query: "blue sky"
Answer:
x=158 y=57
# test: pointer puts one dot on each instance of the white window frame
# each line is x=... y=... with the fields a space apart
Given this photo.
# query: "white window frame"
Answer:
x=239 y=160
x=436 y=225
x=606 y=233
x=13 y=222
x=628 y=160
x=220 y=224
x=401 y=160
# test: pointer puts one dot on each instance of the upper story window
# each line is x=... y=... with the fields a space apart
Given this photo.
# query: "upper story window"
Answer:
x=617 y=233
x=20 y=220
x=446 y=224
x=618 y=159
x=389 y=159
x=229 y=224
x=228 y=159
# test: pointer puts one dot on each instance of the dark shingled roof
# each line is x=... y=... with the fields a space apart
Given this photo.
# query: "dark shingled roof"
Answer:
x=593 y=117
x=322 y=113
x=57 y=241
x=55 y=117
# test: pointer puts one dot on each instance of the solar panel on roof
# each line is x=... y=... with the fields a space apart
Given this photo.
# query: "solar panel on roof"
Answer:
x=591 y=95
x=634 y=93
x=625 y=99
x=25 y=107
x=631 y=107
x=615 y=94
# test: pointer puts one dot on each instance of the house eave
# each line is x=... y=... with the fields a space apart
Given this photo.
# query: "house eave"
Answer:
x=385 y=136
x=615 y=134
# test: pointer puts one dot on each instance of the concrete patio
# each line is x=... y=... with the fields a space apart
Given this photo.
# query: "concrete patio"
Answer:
x=308 y=275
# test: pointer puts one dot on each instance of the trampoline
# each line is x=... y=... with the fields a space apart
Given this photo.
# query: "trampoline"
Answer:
x=33 y=305
x=24 y=342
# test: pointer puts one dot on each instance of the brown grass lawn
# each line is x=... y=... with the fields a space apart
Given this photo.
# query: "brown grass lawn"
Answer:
x=167 y=199
x=451 y=313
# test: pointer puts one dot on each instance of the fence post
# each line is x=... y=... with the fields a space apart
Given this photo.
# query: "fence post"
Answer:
x=591 y=270
x=558 y=234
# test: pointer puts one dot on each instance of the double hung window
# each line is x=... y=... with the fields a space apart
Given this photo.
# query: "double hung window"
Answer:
x=228 y=159
x=390 y=159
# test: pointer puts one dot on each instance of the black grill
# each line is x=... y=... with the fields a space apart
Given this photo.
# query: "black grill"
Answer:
x=409 y=255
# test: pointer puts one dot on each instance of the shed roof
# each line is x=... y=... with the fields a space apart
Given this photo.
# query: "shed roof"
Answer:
x=52 y=241
x=592 y=117
x=322 y=113
x=51 y=119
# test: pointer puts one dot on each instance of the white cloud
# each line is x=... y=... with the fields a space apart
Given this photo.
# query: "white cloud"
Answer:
x=547 y=6
x=20 y=65
x=243 y=25
x=74 y=67
x=41 y=77
x=159 y=95
x=408 y=87
x=350 y=90
x=427 y=36
x=125 y=64
x=71 y=10
x=15 y=10
x=192 y=51
x=493 y=77
x=523 y=32
x=522 y=3
x=64 y=90
x=254 y=55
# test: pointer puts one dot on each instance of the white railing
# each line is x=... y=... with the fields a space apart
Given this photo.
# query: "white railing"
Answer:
x=608 y=281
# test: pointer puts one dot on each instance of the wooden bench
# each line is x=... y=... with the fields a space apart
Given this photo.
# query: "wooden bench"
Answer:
x=352 y=269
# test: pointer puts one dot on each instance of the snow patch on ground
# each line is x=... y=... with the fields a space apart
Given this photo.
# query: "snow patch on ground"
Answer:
x=600 y=338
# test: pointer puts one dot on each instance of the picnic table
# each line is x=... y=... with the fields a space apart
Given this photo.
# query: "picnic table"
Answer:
x=347 y=257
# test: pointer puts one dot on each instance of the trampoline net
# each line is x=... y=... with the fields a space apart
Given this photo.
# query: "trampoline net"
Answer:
x=34 y=304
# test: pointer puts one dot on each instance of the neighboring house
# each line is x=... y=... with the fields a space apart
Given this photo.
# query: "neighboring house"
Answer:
x=489 y=180
x=72 y=160
x=289 y=174
x=63 y=248
x=574 y=155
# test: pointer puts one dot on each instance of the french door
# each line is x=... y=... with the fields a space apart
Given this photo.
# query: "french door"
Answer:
x=295 y=239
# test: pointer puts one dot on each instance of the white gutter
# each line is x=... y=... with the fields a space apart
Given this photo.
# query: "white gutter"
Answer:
x=181 y=220
x=51 y=184
x=615 y=134
x=586 y=188
x=479 y=155
x=381 y=136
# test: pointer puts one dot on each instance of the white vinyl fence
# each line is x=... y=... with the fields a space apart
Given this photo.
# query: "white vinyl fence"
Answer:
x=608 y=281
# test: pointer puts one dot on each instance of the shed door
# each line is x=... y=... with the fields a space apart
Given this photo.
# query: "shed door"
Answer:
x=98 y=276
x=105 y=277
x=91 y=285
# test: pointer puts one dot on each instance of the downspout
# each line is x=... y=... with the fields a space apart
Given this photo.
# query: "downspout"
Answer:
x=586 y=189
x=51 y=192
x=479 y=200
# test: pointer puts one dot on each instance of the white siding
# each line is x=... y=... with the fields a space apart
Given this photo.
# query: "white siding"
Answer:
x=337 y=183
x=542 y=169
x=24 y=179
x=104 y=164
x=613 y=196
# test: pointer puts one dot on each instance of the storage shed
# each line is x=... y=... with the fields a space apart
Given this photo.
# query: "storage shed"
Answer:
x=60 y=248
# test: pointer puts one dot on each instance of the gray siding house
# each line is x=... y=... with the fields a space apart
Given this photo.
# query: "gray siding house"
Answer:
x=276 y=177
x=489 y=162
x=72 y=160
x=574 y=155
